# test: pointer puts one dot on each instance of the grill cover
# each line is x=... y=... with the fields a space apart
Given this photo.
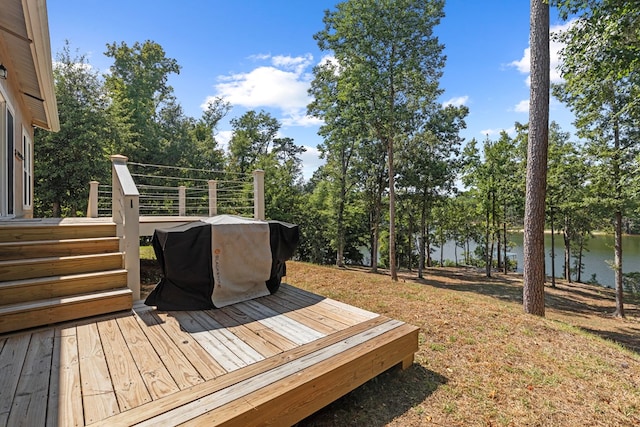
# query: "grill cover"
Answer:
x=220 y=261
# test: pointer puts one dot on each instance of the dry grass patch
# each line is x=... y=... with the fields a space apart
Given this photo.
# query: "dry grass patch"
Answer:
x=482 y=361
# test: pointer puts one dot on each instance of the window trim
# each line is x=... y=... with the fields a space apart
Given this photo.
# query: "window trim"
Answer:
x=27 y=170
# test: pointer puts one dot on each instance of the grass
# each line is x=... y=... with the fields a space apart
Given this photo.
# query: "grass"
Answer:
x=481 y=360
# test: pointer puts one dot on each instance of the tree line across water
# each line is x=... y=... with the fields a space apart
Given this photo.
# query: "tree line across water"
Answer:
x=398 y=178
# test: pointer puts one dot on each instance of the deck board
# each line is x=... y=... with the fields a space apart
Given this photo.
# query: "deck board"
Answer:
x=30 y=403
x=275 y=359
x=12 y=359
x=65 y=398
x=285 y=326
x=98 y=396
x=183 y=372
x=155 y=374
x=127 y=381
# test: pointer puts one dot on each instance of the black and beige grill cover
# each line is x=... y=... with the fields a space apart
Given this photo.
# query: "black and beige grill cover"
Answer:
x=220 y=261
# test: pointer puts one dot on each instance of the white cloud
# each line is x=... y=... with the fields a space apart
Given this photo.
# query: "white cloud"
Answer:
x=522 y=106
x=281 y=85
x=524 y=64
x=223 y=137
x=265 y=87
x=85 y=66
x=301 y=119
x=328 y=59
x=311 y=161
x=492 y=132
x=294 y=63
x=457 y=101
x=260 y=56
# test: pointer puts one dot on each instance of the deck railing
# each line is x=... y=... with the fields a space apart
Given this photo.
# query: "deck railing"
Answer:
x=160 y=194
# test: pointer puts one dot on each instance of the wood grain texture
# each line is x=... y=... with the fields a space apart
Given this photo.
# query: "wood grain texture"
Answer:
x=65 y=394
x=240 y=365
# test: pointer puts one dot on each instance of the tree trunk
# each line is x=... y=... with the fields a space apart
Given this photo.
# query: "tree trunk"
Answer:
x=487 y=254
x=567 y=249
x=340 y=227
x=55 y=210
x=496 y=233
x=467 y=257
x=455 y=252
x=617 y=265
x=375 y=238
x=534 y=275
x=423 y=222
x=617 y=242
x=375 y=230
x=504 y=234
x=392 y=214
x=553 y=253
x=409 y=259
x=579 y=266
x=421 y=259
x=427 y=245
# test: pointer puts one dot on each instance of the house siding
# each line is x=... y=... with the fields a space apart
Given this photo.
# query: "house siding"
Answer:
x=21 y=124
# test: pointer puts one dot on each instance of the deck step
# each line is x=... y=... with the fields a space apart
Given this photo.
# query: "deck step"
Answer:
x=58 y=266
x=15 y=317
x=58 y=269
x=57 y=248
x=46 y=230
x=17 y=291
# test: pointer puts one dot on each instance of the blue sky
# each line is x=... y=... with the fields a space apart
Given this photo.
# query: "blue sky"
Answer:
x=259 y=54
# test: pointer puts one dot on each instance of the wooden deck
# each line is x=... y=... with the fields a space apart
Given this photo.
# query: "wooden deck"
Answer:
x=269 y=361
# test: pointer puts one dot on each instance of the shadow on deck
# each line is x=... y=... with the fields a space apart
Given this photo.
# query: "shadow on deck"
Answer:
x=272 y=360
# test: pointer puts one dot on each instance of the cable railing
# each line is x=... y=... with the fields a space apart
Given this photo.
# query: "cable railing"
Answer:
x=179 y=191
x=161 y=194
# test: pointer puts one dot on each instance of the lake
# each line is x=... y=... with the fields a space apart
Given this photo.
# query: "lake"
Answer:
x=599 y=252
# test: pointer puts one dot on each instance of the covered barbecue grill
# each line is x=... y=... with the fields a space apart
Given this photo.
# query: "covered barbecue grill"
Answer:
x=220 y=261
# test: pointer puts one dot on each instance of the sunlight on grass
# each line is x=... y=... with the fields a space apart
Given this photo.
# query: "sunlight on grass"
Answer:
x=146 y=252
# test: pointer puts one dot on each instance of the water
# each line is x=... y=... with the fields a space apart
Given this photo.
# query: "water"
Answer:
x=596 y=259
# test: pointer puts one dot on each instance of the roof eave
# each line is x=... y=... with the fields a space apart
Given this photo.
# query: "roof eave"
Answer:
x=37 y=23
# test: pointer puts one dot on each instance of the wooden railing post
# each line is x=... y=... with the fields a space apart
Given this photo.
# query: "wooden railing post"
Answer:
x=182 y=200
x=213 y=197
x=126 y=215
x=92 y=207
x=258 y=194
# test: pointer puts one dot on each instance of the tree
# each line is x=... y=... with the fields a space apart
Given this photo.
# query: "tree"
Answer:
x=253 y=136
x=62 y=175
x=371 y=174
x=203 y=133
x=137 y=85
x=559 y=149
x=533 y=269
x=493 y=179
x=429 y=165
x=601 y=86
x=341 y=141
x=389 y=64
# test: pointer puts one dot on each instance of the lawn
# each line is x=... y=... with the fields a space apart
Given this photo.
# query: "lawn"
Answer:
x=481 y=360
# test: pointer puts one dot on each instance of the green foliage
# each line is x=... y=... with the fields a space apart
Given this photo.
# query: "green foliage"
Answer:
x=253 y=136
x=67 y=160
x=632 y=282
x=383 y=81
x=601 y=85
x=495 y=181
x=137 y=85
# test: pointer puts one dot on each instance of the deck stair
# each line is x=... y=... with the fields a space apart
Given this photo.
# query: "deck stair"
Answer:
x=58 y=270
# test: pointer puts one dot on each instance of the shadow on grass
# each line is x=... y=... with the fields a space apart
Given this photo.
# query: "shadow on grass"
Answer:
x=628 y=339
x=576 y=300
x=380 y=400
x=582 y=301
